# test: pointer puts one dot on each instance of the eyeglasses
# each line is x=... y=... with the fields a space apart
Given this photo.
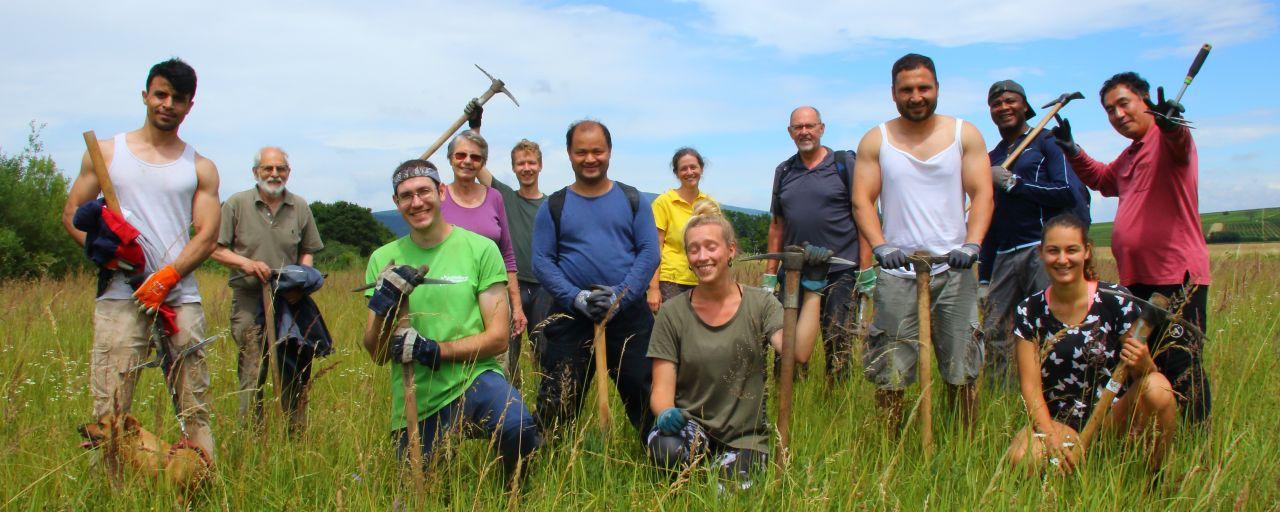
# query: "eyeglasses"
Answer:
x=279 y=169
x=798 y=127
x=421 y=194
x=460 y=156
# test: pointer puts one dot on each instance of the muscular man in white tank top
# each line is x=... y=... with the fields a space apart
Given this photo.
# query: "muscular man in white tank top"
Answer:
x=921 y=167
x=165 y=188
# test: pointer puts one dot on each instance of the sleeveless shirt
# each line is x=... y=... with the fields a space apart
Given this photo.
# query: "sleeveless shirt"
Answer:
x=922 y=200
x=156 y=199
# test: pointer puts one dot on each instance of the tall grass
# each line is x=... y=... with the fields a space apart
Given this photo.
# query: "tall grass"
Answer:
x=843 y=459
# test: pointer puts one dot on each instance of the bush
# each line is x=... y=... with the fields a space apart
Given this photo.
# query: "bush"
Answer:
x=338 y=256
x=33 y=191
x=351 y=225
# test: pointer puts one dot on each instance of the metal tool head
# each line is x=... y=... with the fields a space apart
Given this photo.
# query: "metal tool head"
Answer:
x=782 y=255
x=1065 y=98
x=1175 y=120
x=425 y=280
x=497 y=85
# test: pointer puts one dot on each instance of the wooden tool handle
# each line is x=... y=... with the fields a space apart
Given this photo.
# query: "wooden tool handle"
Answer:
x=602 y=378
x=924 y=368
x=787 y=371
x=444 y=137
x=100 y=171
x=1013 y=155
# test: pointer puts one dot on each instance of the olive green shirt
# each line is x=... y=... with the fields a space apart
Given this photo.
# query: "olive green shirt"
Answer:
x=520 y=214
x=720 y=371
x=250 y=229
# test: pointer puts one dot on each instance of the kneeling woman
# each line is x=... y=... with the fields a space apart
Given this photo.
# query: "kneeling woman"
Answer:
x=1088 y=332
x=709 y=348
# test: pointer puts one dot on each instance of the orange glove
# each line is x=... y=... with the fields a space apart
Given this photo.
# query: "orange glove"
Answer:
x=150 y=296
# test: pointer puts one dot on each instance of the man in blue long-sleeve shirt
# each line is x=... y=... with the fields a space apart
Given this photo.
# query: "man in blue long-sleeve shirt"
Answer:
x=1039 y=186
x=593 y=244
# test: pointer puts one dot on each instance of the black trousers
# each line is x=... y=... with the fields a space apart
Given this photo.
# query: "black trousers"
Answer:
x=568 y=365
x=1178 y=352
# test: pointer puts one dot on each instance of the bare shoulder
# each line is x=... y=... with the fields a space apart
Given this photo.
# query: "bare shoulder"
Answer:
x=206 y=172
x=869 y=145
x=971 y=137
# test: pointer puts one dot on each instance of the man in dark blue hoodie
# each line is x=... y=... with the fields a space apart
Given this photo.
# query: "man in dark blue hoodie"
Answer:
x=1038 y=186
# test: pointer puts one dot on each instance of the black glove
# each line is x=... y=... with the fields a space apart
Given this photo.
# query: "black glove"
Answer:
x=393 y=285
x=890 y=257
x=1062 y=136
x=408 y=346
x=964 y=257
x=474 y=112
x=1170 y=109
x=599 y=300
x=817 y=263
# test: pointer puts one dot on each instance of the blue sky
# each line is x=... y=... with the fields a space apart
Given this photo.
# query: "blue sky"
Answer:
x=351 y=89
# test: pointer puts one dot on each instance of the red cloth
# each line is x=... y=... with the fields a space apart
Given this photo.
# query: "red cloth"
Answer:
x=129 y=249
x=1157 y=237
x=168 y=320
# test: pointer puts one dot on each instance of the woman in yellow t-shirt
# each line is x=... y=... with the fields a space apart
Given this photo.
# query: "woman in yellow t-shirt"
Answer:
x=671 y=211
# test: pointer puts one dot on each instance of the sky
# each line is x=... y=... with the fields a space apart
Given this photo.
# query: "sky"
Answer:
x=350 y=89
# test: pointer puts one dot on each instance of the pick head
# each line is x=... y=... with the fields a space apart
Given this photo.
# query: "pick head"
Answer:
x=1065 y=98
x=497 y=85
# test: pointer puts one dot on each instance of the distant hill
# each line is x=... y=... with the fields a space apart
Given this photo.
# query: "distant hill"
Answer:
x=397 y=225
x=1229 y=227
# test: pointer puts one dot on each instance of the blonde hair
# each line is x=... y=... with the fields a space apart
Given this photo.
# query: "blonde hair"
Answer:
x=707 y=212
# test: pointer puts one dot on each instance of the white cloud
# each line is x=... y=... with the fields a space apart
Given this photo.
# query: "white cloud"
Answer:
x=834 y=25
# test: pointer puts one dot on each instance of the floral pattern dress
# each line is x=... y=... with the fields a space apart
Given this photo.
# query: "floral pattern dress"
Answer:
x=1077 y=360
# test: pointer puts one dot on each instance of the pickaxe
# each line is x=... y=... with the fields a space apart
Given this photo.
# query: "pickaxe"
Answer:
x=495 y=86
x=1186 y=82
x=1053 y=106
x=161 y=352
x=792 y=262
x=922 y=263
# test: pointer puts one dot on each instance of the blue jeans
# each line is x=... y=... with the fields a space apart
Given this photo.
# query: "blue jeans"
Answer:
x=489 y=409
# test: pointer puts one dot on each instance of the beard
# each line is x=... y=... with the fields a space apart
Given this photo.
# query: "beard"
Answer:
x=906 y=113
x=273 y=189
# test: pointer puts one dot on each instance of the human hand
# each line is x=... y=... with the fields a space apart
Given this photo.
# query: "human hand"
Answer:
x=257 y=269
x=1060 y=443
x=518 y=320
x=890 y=257
x=1167 y=112
x=817 y=263
x=151 y=294
x=654 y=298
x=671 y=420
x=394 y=284
x=964 y=257
x=407 y=346
x=599 y=301
x=1062 y=136
x=1135 y=355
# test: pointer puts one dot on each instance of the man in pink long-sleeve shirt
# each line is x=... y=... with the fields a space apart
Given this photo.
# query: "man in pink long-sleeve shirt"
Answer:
x=1158 y=243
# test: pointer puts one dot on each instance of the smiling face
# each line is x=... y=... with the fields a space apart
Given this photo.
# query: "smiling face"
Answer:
x=272 y=172
x=806 y=129
x=1008 y=111
x=1127 y=112
x=589 y=154
x=708 y=253
x=166 y=108
x=1065 y=254
x=467 y=159
x=418 y=200
x=689 y=171
x=526 y=165
x=915 y=92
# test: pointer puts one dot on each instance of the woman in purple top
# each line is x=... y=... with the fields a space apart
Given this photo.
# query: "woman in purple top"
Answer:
x=479 y=209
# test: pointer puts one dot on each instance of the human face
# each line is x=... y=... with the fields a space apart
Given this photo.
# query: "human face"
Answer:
x=1064 y=253
x=589 y=155
x=418 y=200
x=915 y=92
x=165 y=107
x=708 y=253
x=806 y=129
x=466 y=160
x=527 y=166
x=689 y=171
x=1127 y=112
x=272 y=172
x=1008 y=111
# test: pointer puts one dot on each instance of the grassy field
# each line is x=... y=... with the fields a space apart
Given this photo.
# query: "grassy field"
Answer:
x=1259 y=225
x=842 y=459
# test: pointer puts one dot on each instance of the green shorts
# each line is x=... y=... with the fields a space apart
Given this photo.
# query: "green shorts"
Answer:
x=892 y=343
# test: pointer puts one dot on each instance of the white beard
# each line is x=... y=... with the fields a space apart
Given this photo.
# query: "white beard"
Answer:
x=269 y=189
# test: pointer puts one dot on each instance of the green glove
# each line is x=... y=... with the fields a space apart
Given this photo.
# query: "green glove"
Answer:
x=769 y=282
x=866 y=281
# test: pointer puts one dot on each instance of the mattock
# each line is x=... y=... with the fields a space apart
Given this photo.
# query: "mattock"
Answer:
x=1053 y=106
x=792 y=263
x=495 y=86
x=922 y=263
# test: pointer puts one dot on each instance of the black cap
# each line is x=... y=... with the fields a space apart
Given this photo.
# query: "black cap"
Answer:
x=1004 y=86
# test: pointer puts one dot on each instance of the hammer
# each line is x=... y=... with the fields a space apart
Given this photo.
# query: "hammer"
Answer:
x=1056 y=105
x=495 y=86
x=922 y=262
x=792 y=262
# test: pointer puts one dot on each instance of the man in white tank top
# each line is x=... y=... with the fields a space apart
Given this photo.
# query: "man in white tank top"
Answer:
x=164 y=188
x=921 y=167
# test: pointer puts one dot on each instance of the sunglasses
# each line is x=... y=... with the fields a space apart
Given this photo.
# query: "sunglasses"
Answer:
x=460 y=156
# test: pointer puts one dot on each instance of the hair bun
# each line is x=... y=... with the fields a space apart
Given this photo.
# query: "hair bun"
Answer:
x=706 y=207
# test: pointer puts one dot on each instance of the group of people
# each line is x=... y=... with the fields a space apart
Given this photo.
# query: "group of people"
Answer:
x=486 y=265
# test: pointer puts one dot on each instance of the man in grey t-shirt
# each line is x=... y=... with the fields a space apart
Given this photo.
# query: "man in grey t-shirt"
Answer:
x=812 y=202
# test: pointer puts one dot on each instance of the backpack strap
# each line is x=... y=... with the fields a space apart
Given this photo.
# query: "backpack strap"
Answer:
x=555 y=203
x=843 y=159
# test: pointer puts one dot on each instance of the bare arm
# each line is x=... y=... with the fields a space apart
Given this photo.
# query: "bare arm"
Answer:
x=975 y=175
x=377 y=330
x=1027 y=354
x=773 y=243
x=866 y=189
x=654 y=295
x=84 y=189
x=806 y=327
x=306 y=259
x=663 y=393
x=483 y=176
x=490 y=342
x=205 y=216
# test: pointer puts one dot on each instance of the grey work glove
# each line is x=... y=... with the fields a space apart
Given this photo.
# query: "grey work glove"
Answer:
x=1062 y=136
x=393 y=285
x=1002 y=178
x=474 y=112
x=890 y=257
x=595 y=302
x=964 y=257
x=407 y=346
x=817 y=263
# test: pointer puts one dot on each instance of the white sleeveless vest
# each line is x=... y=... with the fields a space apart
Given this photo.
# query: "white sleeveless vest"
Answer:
x=156 y=199
x=922 y=201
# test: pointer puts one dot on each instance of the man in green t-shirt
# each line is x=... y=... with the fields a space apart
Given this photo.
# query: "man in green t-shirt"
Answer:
x=451 y=332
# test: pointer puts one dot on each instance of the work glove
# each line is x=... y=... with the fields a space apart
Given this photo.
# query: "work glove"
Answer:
x=817 y=263
x=474 y=112
x=394 y=284
x=407 y=346
x=595 y=301
x=769 y=283
x=151 y=294
x=1169 y=108
x=1062 y=136
x=671 y=420
x=1002 y=178
x=890 y=257
x=866 y=281
x=964 y=257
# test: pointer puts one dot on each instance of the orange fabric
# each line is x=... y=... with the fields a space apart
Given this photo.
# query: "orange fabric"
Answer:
x=153 y=291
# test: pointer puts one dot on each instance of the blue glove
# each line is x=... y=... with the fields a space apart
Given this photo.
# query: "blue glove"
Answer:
x=817 y=263
x=408 y=346
x=671 y=420
x=964 y=257
x=393 y=285
x=890 y=257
